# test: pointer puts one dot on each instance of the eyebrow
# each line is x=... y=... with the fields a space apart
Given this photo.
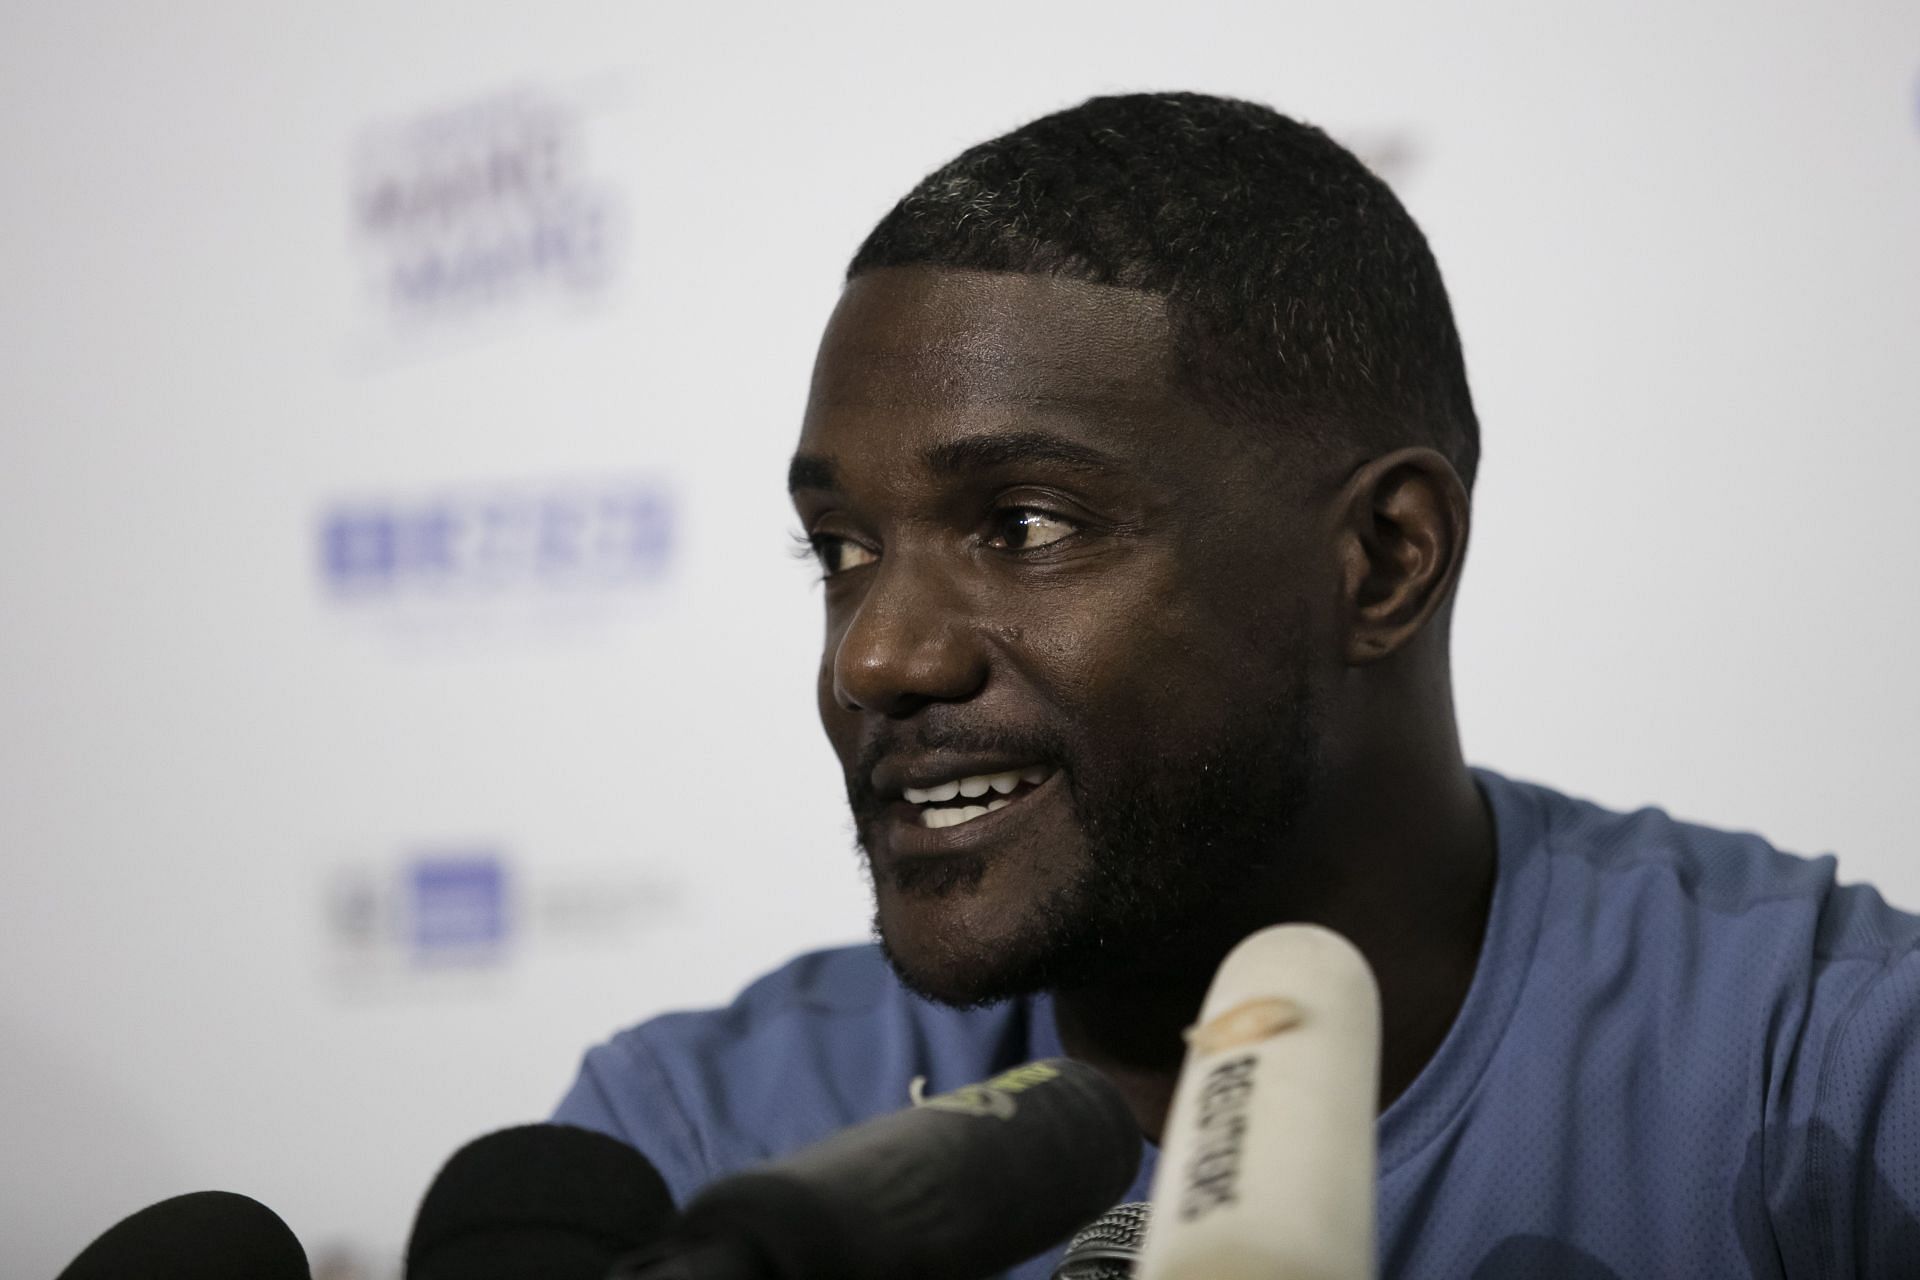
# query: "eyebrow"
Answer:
x=979 y=453
x=970 y=453
x=810 y=471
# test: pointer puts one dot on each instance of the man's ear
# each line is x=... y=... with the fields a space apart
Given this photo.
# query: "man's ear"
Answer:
x=1401 y=537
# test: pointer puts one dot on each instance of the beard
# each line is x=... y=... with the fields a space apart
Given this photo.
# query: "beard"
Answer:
x=1181 y=852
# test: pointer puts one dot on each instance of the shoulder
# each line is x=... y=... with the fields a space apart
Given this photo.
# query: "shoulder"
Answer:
x=1713 y=868
x=1633 y=873
x=826 y=1040
x=1844 y=1167
x=1654 y=930
x=1782 y=1007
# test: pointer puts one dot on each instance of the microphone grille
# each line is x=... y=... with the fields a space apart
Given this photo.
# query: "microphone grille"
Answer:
x=1107 y=1247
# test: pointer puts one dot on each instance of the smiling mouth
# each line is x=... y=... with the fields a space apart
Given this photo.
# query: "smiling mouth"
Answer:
x=962 y=800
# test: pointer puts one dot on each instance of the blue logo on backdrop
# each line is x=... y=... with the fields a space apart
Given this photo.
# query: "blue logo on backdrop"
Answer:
x=461 y=913
x=599 y=536
x=433 y=907
x=456 y=903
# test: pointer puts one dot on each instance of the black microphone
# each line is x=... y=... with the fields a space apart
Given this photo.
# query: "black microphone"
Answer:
x=203 y=1235
x=1108 y=1248
x=537 y=1202
x=962 y=1186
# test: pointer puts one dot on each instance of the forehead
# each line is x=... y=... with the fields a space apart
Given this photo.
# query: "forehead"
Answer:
x=913 y=345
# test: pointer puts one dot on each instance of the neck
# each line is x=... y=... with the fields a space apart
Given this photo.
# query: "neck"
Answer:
x=1404 y=868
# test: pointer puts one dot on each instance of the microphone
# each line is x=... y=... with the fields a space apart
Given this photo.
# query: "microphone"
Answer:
x=537 y=1202
x=1268 y=1167
x=203 y=1235
x=1106 y=1248
x=962 y=1186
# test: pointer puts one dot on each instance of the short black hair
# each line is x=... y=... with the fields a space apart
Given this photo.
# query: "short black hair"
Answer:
x=1302 y=295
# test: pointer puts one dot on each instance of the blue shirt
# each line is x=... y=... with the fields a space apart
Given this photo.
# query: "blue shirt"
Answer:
x=1683 y=1053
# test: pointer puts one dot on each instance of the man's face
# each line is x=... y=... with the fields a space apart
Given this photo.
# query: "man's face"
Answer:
x=1070 y=625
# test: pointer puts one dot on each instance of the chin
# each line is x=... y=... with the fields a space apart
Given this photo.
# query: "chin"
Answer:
x=939 y=950
x=954 y=981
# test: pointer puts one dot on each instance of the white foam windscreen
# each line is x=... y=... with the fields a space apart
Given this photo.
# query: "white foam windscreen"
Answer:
x=1267 y=1167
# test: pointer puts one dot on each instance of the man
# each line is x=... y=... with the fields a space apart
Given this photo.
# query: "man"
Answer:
x=1137 y=461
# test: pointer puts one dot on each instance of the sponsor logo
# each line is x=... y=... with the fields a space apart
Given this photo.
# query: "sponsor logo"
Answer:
x=1213 y=1175
x=472 y=908
x=456 y=904
x=510 y=563
x=481 y=206
x=438 y=905
x=614 y=534
x=995 y=1097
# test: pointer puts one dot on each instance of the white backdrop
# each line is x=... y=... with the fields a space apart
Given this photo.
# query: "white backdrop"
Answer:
x=403 y=680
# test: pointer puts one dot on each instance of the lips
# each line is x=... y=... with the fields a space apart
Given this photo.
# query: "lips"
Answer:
x=945 y=809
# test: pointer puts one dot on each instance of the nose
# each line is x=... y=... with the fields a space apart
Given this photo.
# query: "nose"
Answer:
x=912 y=640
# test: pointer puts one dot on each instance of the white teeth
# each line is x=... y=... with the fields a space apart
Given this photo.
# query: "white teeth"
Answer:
x=971 y=787
x=975 y=786
x=952 y=817
x=937 y=818
x=945 y=791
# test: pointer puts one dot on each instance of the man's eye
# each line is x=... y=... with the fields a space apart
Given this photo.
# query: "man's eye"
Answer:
x=839 y=554
x=1025 y=529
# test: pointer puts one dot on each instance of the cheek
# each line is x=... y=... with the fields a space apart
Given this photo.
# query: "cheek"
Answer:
x=1163 y=665
x=1124 y=666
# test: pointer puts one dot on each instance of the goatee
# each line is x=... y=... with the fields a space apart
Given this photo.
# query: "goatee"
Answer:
x=1181 y=852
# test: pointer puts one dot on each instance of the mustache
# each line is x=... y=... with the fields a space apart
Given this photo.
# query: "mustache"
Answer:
x=1036 y=745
